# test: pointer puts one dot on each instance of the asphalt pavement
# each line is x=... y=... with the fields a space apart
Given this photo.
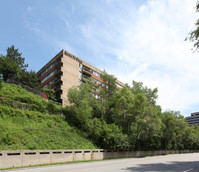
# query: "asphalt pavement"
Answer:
x=168 y=163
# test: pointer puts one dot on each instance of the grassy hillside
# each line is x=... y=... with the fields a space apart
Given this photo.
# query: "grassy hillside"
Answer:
x=33 y=128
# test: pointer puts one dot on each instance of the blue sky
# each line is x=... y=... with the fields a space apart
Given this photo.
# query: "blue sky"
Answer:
x=141 y=40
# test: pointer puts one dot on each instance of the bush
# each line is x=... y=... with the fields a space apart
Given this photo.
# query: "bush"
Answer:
x=109 y=136
x=20 y=105
x=0 y=83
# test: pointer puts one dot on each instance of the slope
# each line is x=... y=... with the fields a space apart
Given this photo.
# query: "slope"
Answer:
x=27 y=122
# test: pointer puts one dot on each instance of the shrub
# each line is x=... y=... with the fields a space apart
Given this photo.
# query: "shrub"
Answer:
x=20 y=105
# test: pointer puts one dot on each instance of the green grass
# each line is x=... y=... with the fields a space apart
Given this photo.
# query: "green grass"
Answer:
x=31 y=129
x=14 y=93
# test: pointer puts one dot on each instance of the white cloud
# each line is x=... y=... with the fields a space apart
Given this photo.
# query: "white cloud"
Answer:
x=150 y=42
x=134 y=40
x=158 y=39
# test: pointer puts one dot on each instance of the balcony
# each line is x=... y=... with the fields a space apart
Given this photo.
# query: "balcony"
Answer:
x=58 y=64
x=87 y=71
x=58 y=72
x=57 y=88
x=57 y=81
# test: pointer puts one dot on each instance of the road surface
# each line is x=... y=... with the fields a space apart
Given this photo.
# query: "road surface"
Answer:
x=169 y=163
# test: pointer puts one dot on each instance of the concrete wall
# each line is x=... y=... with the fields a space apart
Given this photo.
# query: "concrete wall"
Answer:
x=35 y=157
x=70 y=76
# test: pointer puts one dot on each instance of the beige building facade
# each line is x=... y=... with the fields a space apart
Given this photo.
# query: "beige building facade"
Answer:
x=66 y=70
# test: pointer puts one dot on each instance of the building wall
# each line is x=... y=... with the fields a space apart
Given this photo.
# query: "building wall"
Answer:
x=70 y=76
x=193 y=119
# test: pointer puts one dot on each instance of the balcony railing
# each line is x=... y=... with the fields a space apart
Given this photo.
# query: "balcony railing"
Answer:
x=57 y=81
x=87 y=71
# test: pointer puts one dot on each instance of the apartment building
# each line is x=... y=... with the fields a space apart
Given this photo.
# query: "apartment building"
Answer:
x=66 y=70
x=193 y=119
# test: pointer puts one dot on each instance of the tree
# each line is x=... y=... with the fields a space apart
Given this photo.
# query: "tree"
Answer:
x=107 y=92
x=86 y=106
x=13 y=54
x=12 y=64
x=0 y=83
x=194 y=35
x=8 y=68
x=150 y=94
x=146 y=133
x=123 y=110
x=29 y=78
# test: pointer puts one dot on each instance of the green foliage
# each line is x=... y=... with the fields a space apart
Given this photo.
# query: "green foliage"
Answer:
x=127 y=118
x=107 y=136
x=16 y=93
x=108 y=92
x=0 y=82
x=12 y=68
x=33 y=130
x=135 y=121
x=50 y=93
x=194 y=35
x=19 y=105
x=8 y=68
x=13 y=54
x=83 y=114
x=30 y=79
x=12 y=64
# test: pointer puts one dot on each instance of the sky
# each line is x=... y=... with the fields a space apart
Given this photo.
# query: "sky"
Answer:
x=140 y=40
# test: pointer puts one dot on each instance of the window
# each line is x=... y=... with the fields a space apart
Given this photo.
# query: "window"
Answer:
x=96 y=96
x=84 y=76
x=47 y=69
x=96 y=73
x=106 y=86
x=47 y=77
x=96 y=81
x=50 y=83
x=118 y=85
x=80 y=67
x=98 y=90
x=80 y=75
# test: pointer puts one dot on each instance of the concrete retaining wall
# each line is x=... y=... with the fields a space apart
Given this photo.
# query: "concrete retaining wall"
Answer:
x=35 y=157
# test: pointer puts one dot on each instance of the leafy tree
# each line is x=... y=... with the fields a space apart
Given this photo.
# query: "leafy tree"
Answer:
x=192 y=137
x=128 y=117
x=84 y=112
x=108 y=92
x=146 y=133
x=29 y=78
x=194 y=35
x=77 y=94
x=0 y=83
x=169 y=130
x=124 y=105
x=105 y=135
x=150 y=94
